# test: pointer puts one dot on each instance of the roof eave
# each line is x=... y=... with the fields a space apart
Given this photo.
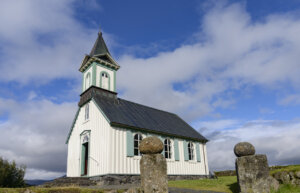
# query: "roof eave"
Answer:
x=109 y=56
x=93 y=59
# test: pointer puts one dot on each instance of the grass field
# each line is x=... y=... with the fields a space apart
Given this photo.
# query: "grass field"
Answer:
x=290 y=168
x=51 y=190
x=223 y=184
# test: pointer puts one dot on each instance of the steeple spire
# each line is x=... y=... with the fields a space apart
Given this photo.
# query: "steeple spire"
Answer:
x=99 y=54
x=99 y=47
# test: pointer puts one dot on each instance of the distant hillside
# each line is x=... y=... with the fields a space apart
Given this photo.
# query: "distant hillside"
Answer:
x=273 y=170
x=36 y=182
x=39 y=182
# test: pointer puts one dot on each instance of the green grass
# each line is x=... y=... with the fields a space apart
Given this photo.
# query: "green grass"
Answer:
x=222 y=184
x=291 y=168
x=287 y=188
x=51 y=190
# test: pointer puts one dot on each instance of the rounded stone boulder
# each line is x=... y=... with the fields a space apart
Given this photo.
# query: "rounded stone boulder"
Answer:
x=151 y=145
x=244 y=149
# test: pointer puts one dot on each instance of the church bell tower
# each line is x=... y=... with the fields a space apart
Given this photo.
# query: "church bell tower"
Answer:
x=99 y=68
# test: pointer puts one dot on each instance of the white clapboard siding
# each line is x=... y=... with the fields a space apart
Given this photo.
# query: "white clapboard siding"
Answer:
x=98 y=149
x=122 y=164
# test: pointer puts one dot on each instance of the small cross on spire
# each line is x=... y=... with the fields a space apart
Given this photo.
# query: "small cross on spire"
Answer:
x=99 y=32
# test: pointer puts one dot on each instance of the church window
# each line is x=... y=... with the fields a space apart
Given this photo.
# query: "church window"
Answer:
x=87 y=113
x=168 y=149
x=191 y=150
x=104 y=80
x=87 y=81
x=137 y=140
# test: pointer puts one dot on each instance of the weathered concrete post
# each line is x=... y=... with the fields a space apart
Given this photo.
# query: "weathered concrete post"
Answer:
x=252 y=170
x=153 y=166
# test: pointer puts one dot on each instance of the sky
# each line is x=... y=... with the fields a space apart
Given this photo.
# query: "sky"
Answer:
x=229 y=68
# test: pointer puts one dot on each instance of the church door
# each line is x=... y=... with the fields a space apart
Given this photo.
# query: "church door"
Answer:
x=84 y=159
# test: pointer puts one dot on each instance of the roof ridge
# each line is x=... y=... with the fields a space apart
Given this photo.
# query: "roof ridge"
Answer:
x=149 y=107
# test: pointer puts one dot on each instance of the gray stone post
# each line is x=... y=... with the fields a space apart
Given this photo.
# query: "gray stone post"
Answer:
x=153 y=166
x=252 y=170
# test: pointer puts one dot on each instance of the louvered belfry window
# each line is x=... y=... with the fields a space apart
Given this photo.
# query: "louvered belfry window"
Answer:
x=87 y=81
x=105 y=80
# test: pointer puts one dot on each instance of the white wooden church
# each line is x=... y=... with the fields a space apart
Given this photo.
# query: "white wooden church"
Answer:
x=106 y=131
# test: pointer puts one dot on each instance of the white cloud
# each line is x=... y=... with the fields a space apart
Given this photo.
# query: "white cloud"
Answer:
x=290 y=99
x=229 y=53
x=32 y=95
x=35 y=133
x=263 y=110
x=278 y=139
x=217 y=125
x=42 y=40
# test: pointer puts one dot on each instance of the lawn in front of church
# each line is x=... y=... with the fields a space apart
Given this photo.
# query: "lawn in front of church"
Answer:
x=226 y=184
x=223 y=184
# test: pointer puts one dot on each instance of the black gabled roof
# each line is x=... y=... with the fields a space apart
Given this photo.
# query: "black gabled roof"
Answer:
x=124 y=113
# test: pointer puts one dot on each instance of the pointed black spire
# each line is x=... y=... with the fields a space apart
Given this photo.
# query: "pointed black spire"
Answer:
x=99 y=53
x=99 y=47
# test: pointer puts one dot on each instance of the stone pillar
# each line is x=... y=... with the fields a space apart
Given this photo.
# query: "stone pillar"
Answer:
x=153 y=166
x=252 y=170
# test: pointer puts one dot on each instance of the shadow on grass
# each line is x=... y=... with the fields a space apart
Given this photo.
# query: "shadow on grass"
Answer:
x=234 y=187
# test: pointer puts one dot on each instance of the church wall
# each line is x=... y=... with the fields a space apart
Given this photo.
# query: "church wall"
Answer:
x=98 y=147
x=121 y=164
x=99 y=69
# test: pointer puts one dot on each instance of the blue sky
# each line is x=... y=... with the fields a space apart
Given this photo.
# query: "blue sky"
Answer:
x=229 y=68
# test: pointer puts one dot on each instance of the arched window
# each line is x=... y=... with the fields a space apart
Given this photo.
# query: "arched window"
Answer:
x=168 y=149
x=104 y=82
x=87 y=112
x=191 y=150
x=137 y=140
x=87 y=81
